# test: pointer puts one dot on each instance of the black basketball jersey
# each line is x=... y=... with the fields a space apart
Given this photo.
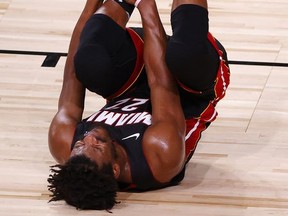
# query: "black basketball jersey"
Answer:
x=127 y=119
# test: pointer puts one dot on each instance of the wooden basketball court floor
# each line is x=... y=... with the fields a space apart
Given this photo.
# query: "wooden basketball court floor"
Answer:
x=241 y=164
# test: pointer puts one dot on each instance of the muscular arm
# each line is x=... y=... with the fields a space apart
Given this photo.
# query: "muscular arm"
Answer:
x=163 y=141
x=71 y=101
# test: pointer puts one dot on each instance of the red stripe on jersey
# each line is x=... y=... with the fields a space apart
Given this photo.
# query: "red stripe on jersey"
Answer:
x=194 y=128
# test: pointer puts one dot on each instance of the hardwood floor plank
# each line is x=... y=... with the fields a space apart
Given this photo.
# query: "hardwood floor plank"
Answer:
x=240 y=167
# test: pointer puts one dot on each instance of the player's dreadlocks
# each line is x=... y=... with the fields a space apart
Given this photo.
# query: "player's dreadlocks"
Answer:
x=81 y=183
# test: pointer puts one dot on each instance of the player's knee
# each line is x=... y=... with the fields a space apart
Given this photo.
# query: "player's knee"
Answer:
x=193 y=66
x=181 y=57
x=94 y=68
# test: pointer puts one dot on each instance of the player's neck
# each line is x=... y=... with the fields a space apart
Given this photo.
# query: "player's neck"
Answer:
x=125 y=173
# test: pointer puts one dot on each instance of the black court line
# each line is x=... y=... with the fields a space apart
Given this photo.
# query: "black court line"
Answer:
x=52 y=59
x=272 y=64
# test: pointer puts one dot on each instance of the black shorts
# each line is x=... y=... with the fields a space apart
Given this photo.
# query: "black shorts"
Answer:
x=106 y=56
x=190 y=56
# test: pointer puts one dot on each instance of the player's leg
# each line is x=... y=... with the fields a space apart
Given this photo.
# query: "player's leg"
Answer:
x=197 y=60
x=176 y=3
x=190 y=56
x=106 y=54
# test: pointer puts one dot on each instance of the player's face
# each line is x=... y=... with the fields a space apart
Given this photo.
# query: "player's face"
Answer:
x=96 y=145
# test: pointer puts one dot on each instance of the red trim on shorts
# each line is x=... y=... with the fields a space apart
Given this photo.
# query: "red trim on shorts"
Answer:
x=186 y=88
x=222 y=80
x=139 y=45
x=223 y=76
x=195 y=126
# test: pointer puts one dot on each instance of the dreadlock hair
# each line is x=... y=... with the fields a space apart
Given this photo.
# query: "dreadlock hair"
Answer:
x=81 y=183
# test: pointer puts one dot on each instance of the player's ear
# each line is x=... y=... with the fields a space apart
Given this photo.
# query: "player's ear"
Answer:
x=116 y=170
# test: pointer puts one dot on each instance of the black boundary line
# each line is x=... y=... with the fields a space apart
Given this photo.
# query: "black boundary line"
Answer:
x=52 y=59
x=272 y=64
x=19 y=52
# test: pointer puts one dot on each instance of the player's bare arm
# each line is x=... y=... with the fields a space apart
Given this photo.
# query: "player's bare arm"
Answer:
x=71 y=101
x=163 y=141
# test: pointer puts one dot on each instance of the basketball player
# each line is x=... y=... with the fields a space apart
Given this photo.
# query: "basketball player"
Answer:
x=144 y=136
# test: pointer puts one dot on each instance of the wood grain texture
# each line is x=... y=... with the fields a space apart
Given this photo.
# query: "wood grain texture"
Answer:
x=240 y=167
